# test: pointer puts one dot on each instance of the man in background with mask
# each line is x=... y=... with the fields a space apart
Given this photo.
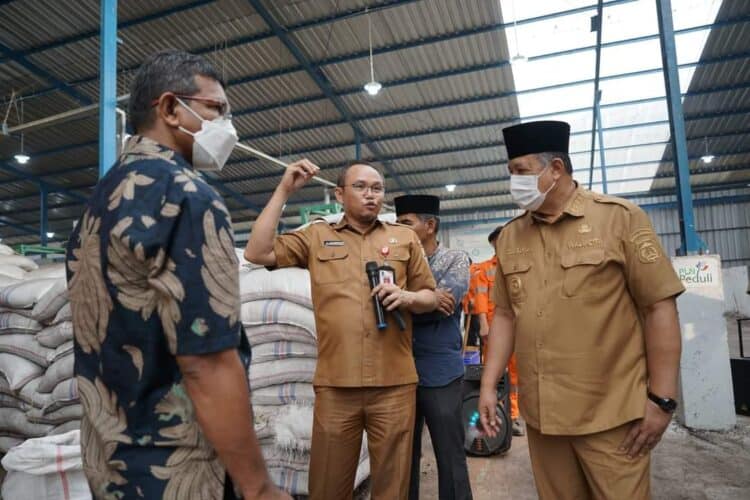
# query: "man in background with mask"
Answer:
x=587 y=296
x=160 y=354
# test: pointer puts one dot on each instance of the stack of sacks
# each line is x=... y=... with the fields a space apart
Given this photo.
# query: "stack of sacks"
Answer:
x=280 y=326
x=38 y=394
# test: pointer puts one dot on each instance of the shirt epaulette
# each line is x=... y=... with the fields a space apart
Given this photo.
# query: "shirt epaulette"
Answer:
x=614 y=200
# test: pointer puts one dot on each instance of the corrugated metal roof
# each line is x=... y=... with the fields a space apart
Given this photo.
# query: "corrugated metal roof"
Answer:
x=439 y=122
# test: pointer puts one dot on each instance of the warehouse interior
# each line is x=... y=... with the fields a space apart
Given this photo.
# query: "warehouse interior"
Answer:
x=423 y=89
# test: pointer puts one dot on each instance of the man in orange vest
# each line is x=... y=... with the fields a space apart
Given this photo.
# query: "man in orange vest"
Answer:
x=484 y=308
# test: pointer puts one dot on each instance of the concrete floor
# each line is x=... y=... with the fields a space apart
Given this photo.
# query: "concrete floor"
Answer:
x=687 y=465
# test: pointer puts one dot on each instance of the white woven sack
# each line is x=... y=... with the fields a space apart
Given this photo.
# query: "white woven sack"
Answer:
x=277 y=311
x=283 y=349
x=264 y=334
x=292 y=428
x=58 y=371
x=30 y=393
x=24 y=263
x=73 y=425
x=291 y=283
x=9 y=441
x=18 y=371
x=51 y=302
x=57 y=417
x=281 y=372
x=25 y=294
x=14 y=421
x=8 y=271
x=25 y=346
x=64 y=314
x=6 y=250
x=48 y=271
x=284 y=394
x=64 y=394
x=56 y=335
x=60 y=351
x=48 y=468
x=11 y=322
x=10 y=401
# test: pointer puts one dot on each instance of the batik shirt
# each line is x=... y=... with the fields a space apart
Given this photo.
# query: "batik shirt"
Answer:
x=437 y=340
x=152 y=274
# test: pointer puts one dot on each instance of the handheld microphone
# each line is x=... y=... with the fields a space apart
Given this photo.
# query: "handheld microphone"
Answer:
x=388 y=275
x=371 y=268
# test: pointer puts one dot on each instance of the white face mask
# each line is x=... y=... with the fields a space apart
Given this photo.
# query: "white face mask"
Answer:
x=524 y=190
x=213 y=143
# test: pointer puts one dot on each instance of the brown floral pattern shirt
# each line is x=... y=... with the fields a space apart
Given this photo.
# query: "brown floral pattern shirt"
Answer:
x=152 y=273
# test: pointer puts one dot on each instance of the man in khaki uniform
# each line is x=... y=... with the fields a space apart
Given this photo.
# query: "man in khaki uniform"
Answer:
x=587 y=295
x=365 y=377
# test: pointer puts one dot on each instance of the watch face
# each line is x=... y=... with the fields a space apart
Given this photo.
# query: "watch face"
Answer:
x=669 y=405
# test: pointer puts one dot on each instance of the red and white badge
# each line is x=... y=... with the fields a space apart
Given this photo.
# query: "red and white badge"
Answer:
x=385 y=251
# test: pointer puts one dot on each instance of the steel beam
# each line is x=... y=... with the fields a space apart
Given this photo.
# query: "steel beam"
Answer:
x=690 y=241
x=597 y=24
x=108 y=86
x=43 y=215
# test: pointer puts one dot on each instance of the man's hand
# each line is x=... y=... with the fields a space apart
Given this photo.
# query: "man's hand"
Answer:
x=488 y=411
x=447 y=303
x=392 y=296
x=296 y=175
x=484 y=325
x=645 y=433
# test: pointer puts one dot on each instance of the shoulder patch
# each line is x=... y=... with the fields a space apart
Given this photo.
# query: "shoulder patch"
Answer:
x=613 y=200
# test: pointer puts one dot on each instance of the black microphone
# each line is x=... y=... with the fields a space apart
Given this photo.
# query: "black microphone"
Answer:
x=371 y=268
x=391 y=278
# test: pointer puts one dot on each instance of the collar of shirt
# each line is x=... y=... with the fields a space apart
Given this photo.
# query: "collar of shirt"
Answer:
x=344 y=223
x=439 y=250
x=573 y=207
x=139 y=147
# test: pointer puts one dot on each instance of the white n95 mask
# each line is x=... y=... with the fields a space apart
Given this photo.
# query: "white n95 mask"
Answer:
x=524 y=190
x=213 y=143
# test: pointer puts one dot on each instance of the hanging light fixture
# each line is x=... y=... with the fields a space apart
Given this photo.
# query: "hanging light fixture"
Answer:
x=50 y=234
x=450 y=187
x=22 y=157
x=518 y=58
x=372 y=87
x=707 y=157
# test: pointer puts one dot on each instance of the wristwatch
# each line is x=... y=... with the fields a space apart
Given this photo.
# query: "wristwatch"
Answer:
x=667 y=405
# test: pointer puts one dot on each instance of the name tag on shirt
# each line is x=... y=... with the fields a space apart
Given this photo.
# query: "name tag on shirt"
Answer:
x=333 y=243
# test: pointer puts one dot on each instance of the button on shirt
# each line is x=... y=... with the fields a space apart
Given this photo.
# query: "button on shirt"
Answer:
x=352 y=352
x=152 y=275
x=576 y=286
x=437 y=338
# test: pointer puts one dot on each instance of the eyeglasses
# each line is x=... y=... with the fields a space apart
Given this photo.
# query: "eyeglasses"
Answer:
x=361 y=187
x=222 y=107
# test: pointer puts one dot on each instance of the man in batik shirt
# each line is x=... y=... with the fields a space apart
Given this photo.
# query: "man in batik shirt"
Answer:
x=160 y=354
x=437 y=344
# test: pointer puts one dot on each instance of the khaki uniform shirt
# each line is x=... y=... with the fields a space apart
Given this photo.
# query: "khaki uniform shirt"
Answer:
x=352 y=352
x=576 y=286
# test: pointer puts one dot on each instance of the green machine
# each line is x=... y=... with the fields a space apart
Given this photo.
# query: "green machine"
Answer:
x=319 y=210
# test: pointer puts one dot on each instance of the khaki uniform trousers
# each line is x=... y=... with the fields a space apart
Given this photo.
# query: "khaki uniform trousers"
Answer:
x=340 y=416
x=587 y=467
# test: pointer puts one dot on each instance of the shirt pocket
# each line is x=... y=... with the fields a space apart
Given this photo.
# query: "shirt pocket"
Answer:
x=581 y=270
x=398 y=259
x=331 y=266
x=516 y=280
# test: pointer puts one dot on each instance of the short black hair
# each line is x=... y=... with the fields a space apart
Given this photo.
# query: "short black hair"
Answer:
x=165 y=71
x=565 y=157
x=494 y=234
x=342 y=175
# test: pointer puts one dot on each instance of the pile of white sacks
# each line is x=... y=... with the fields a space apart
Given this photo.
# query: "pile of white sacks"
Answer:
x=38 y=394
x=280 y=325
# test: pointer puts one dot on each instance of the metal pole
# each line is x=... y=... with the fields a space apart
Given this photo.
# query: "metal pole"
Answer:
x=43 y=225
x=601 y=141
x=688 y=235
x=596 y=23
x=108 y=86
